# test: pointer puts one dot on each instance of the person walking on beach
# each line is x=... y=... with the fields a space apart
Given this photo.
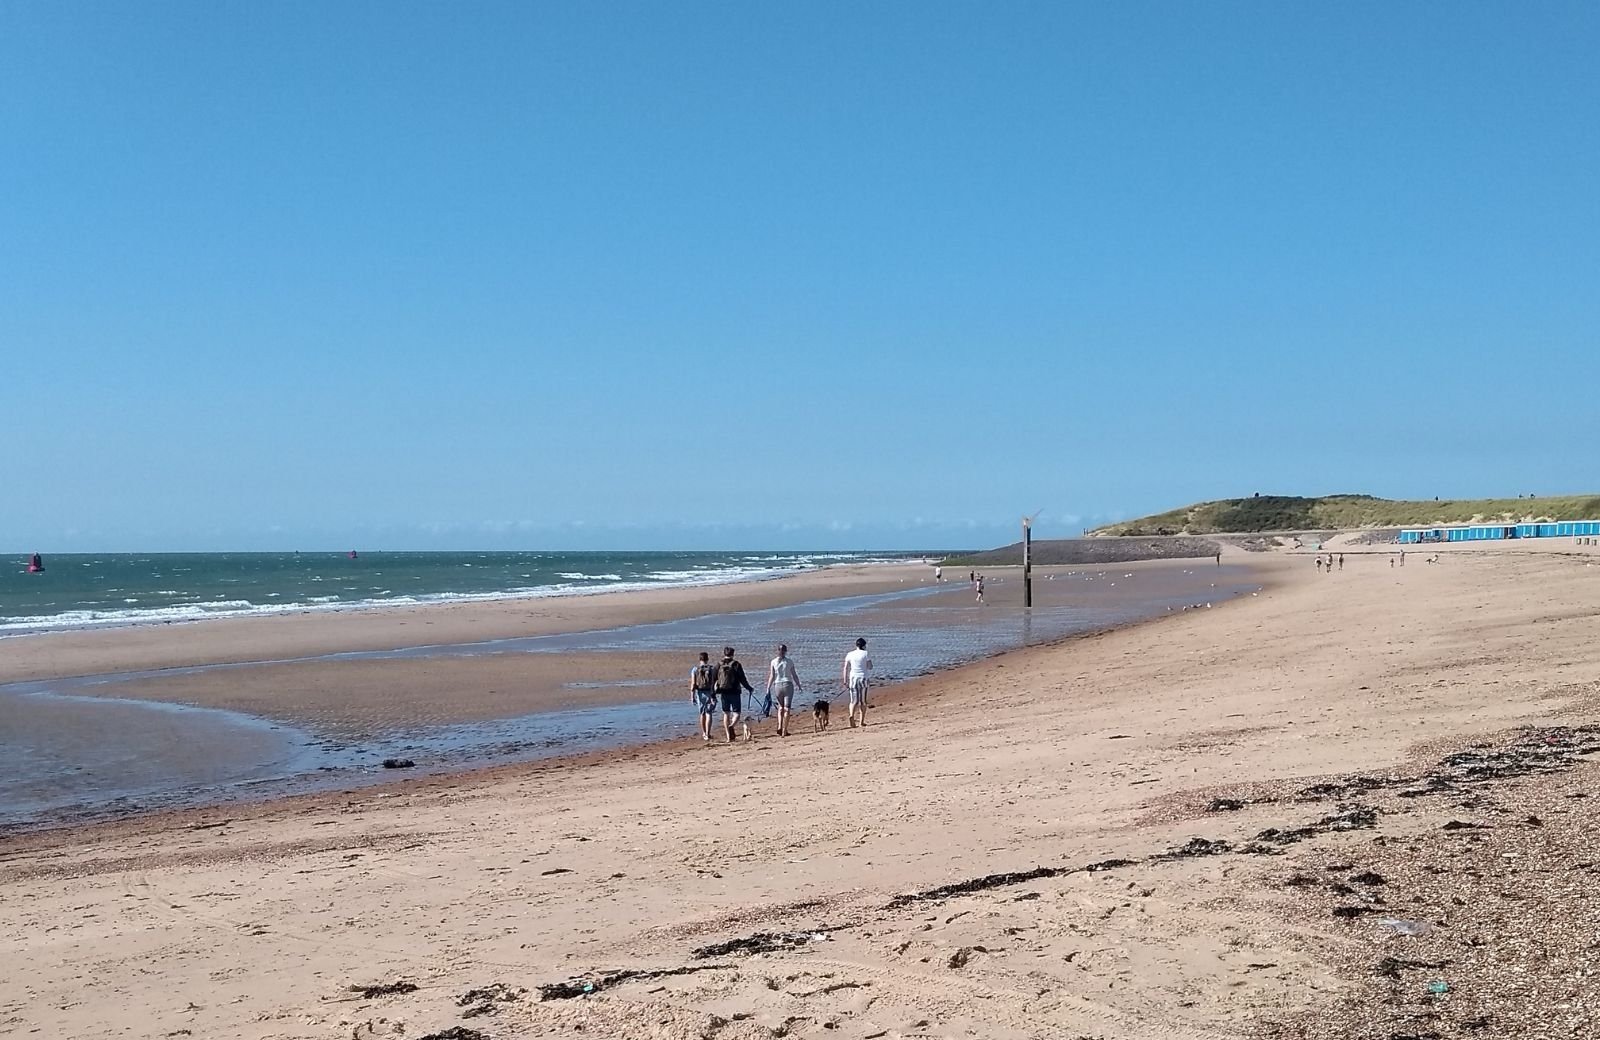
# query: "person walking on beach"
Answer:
x=938 y=575
x=979 y=586
x=783 y=679
x=1319 y=564
x=855 y=675
x=731 y=685
x=702 y=691
x=1341 y=561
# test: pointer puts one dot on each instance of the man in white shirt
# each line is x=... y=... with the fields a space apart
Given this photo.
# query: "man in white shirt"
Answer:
x=855 y=674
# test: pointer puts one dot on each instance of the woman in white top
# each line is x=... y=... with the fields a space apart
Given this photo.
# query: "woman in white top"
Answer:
x=784 y=680
x=855 y=675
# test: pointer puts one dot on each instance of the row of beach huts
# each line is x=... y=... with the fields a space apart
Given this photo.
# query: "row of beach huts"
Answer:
x=1490 y=532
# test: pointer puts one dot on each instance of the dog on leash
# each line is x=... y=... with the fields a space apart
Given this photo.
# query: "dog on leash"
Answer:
x=819 y=716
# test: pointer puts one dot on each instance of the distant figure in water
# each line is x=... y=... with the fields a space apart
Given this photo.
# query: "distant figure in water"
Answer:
x=36 y=565
x=978 y=585
x=353 y=555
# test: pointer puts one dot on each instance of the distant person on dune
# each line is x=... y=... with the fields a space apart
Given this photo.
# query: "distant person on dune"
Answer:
x=855 y=675
x=702 y=691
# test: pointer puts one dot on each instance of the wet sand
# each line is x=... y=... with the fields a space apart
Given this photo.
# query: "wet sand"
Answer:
x=360 y=699
x=1020 y=847
x=133 y=747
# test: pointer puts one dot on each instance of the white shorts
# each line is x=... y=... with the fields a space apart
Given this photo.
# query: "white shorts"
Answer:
x=858 y=691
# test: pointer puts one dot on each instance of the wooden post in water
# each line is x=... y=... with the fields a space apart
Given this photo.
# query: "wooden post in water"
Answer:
x=1027 y=561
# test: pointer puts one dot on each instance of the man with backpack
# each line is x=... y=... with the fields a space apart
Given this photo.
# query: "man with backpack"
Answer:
x=702 y=692
x=730 y=686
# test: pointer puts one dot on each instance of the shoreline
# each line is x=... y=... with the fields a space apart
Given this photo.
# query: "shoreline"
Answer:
x=336 y=717
x=296 y=635
x=47 y=624
x=241 y=801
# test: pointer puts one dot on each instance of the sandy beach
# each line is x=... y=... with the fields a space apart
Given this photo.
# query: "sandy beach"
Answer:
x=1105 y=838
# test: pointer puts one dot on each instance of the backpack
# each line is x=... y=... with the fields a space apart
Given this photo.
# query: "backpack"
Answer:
x=726 y=683
x=704 y=675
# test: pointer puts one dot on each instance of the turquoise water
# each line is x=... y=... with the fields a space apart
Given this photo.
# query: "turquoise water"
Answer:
x=95 y=589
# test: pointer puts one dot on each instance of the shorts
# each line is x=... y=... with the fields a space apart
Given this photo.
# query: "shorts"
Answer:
x=732 y=703
x=784 y=692
x=706 y=700
x=858 y=691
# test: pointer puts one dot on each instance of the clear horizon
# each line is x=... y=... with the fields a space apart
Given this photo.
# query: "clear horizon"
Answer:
x=583 y=538
x=849 y=276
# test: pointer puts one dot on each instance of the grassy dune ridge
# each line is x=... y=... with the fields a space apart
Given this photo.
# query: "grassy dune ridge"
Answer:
x=1347 y=512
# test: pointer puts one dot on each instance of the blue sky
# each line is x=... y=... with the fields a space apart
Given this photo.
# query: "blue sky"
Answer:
x=807 y=275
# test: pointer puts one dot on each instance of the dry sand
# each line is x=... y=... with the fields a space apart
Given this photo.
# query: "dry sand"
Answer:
x=255 y=922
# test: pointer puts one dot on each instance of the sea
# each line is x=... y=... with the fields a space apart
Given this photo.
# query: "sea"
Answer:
x=89 y=590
